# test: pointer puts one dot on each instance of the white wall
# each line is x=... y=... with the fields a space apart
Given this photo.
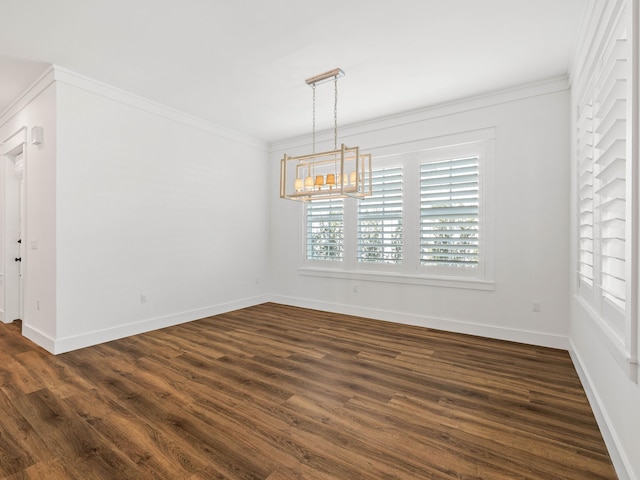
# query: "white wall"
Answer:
x=143 y=217
x=531 y=176
x=37 y=107
x=151 y=203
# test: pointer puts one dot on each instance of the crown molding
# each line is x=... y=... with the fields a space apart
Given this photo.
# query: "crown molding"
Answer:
x=55 y=73
x=552 y=85
x=39 y=85
x=102 y=89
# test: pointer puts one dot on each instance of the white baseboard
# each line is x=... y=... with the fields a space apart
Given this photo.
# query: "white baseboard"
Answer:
x=39 y=338
x=450 y=325
x=618 y=458
x=88 y=339
x=75 y=342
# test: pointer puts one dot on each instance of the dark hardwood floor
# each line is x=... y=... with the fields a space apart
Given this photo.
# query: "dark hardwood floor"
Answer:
x=275 y=392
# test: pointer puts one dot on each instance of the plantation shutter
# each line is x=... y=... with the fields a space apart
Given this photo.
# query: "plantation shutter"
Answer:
x=325 y=229
x=449 y=213
x=610 y=111
x=380 y=219
x=585 y=194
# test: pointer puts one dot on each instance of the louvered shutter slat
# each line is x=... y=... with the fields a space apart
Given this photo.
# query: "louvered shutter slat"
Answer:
x=380 y=219
x=449 y=220
x=325 y=230
x=609 y=159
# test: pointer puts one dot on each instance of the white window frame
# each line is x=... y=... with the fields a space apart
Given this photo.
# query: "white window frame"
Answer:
x=374 y=265
x=606 y=101
x=478 y=143
x=352 y=263
x=337 y=262
x=452 y=153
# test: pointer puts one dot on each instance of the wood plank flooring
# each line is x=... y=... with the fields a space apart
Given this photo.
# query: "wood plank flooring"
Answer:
x=282 y=393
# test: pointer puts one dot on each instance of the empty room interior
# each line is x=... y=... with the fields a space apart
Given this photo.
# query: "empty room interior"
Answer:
x=319 y=240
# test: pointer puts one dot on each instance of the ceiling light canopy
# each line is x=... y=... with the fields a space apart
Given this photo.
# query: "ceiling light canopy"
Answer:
x=338 y=173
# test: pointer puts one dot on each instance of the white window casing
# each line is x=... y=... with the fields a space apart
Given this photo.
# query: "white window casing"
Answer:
x=605 y=92
x=394 y=235
x=603 y=167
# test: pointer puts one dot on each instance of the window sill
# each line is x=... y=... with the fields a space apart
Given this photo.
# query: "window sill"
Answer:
x=424 y=280
x=616 y=345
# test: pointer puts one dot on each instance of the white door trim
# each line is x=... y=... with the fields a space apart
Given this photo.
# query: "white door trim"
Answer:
x=12 y=161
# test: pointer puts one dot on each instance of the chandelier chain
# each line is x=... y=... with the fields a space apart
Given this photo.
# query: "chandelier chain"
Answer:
x=313 y=87
x=335 y=113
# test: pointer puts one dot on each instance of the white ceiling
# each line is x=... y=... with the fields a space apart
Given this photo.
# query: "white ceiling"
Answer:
x=242 y=63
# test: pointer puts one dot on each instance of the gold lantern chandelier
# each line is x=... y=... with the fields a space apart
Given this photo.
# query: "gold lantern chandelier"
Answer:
x=338 y=173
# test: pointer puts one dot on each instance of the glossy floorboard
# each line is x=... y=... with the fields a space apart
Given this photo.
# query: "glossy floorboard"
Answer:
x=275 y=392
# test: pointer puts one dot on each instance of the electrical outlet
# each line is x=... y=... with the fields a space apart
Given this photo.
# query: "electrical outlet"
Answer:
x=355 y=289
x=535 y=306
x=143 y=298
x=38 y=304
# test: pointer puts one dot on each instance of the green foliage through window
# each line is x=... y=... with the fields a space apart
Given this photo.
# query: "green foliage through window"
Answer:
x=325 y=230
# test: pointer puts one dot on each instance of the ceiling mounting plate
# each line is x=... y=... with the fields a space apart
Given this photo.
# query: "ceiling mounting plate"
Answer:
x=325 y=77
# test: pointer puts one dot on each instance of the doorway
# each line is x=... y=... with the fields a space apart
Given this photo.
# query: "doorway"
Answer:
x=14 y=230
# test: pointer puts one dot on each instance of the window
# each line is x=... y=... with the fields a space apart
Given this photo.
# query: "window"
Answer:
x=602 y=170
x=325 y=230
x=449 y=213
x=605 y=137
x=427 y=222
x=610 y=124
x=380 y=219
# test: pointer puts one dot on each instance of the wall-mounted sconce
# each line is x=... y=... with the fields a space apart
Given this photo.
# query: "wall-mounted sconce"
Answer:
x=37 y=135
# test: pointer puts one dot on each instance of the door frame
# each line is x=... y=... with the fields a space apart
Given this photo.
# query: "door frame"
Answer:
x=15 y=211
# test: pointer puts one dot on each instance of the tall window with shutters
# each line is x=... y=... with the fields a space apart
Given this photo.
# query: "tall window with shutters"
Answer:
x=325 y=230
x=449 y=219
x=602 y=170
x=380 y=219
